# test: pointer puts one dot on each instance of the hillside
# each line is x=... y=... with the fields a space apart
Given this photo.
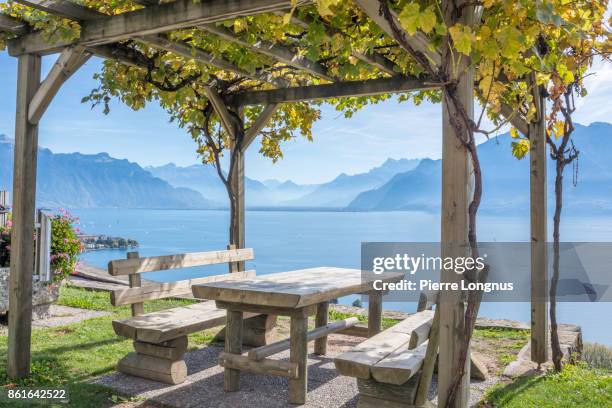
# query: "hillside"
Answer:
x=88 y=181
x=344 y=188
x=205 y=180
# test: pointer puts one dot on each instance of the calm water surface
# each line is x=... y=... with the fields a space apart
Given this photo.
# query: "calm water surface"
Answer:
x=286 y=240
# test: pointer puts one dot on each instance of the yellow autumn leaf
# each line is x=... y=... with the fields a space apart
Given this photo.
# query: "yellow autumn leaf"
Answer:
x=463 y=38
x=559 y=129
x=427 y=20
x=324 y=7
x=514 y=133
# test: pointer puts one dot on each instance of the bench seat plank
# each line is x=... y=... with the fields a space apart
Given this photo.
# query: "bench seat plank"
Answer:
x=171 y=323
x=358 y=361
x=399 y=366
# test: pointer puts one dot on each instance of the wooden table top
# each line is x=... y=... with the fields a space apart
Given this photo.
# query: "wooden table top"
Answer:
x=293 y=289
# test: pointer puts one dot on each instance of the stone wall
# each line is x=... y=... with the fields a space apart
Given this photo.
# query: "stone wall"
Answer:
x=43 y=295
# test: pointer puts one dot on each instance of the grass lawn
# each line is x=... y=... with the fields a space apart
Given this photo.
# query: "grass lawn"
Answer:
x=575 y=386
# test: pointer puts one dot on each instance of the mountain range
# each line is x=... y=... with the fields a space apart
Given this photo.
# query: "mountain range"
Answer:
x=84 y=181
x=506 y=179
x=337 y=193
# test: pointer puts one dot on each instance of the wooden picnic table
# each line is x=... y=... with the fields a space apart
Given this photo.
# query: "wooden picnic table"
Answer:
x=297 y=294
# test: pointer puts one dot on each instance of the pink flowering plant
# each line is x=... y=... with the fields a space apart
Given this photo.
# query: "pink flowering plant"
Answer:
x=65 y=245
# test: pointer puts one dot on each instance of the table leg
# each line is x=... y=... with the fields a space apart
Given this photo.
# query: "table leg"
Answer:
x=320 y=345
x=374 y=312
x=233 y=344
x=298 y=354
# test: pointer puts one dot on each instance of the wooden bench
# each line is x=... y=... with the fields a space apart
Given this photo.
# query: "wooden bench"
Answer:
x=388 y=365
x=160 y=338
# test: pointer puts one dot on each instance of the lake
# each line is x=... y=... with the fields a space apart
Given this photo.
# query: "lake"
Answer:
x=287 y=240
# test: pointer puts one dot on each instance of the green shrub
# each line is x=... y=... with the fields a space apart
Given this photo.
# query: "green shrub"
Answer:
x=597 y=355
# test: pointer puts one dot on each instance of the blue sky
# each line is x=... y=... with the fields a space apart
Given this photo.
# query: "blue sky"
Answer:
x=350 y=146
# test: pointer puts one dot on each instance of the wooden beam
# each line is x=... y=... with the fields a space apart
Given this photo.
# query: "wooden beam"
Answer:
x=515 y=119
x=418 y=41
x=373 y=58
x=188 y=51
x=12 y=25
x=378 y=61
x=277 y=52
x=259 y=124
x=24 y=204
x=266 y=366
x=268 y=350
x=128 y=296
x=166 y=262
x=63 y=8
x=76 y=12
x=335 y=90
x=221 y=109
x=69 y=61
x=538 y=216
x=150 y=20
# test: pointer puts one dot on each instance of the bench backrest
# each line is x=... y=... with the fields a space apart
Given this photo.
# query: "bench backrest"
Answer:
x=134 y=265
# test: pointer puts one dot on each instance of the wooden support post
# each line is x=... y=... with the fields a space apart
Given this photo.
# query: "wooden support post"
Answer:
x=135 y=282
x=320 y=346
x=374 y=312
x=456 y=195
x=299 y=354
x=233 y=345
x=237 y=187
x=539 y=262
x=24 y=201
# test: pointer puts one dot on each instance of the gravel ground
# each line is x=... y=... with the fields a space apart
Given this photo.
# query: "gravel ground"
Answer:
x=204 y=385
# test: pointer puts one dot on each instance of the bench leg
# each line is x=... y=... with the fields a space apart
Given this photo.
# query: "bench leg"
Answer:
x=373 y=394
x=161 y=362
x=233 y=344
x=153 y=368
x=374 y=313
x=298 y=354
x=320 y=345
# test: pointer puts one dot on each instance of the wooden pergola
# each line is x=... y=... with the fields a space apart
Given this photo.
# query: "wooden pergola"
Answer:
x=104 y=36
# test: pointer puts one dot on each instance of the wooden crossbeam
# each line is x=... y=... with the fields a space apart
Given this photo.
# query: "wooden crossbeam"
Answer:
x=335 y=90
x=12 y=25
x=188 y=51
x=149 y=20
x=372 y=58
x=260 y=123
x=268 y=350
x=64 y=9
x=80 y=13
x=221 y=109
x=277 y=52
x=69 y=61
x=418 y=41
